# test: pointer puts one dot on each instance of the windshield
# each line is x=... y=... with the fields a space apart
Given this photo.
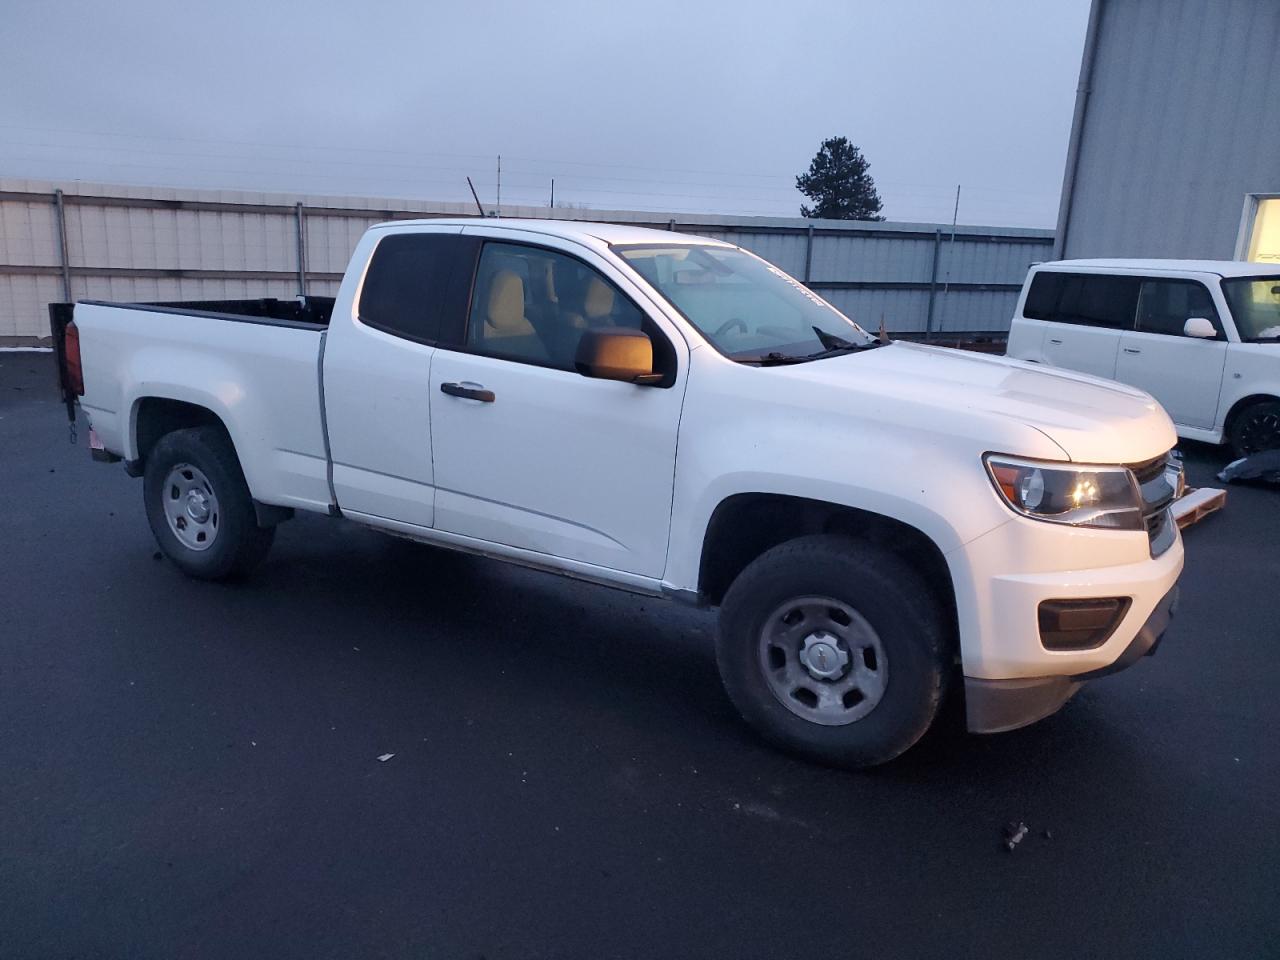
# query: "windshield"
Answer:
x=1255 y=305
x=749 y=309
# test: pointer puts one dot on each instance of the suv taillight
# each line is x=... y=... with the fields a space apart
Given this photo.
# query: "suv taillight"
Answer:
x=71 y=357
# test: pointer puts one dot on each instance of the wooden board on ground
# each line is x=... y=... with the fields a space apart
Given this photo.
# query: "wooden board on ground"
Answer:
x=1196 y=504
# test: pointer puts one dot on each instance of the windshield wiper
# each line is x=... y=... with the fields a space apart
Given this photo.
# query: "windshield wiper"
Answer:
x=775 y=359
x=831 y=341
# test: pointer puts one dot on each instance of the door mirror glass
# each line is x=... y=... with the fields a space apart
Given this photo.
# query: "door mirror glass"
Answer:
x=616 y=354
x=1199 y=327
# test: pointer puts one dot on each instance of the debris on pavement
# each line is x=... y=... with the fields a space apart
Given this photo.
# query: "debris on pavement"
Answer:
x=383 y=758
x=1013 y=834
x=1264 y=466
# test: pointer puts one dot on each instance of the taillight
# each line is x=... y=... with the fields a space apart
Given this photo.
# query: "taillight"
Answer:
x=71 y=357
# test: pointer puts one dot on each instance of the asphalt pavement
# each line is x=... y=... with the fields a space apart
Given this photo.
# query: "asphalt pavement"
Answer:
x=192 y=769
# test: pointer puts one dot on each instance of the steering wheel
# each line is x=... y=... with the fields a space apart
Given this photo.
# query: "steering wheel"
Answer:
x=729 y=325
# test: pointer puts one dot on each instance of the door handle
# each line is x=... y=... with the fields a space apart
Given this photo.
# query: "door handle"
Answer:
x=1132 y=350
x=1058 y=342
x=468 y=391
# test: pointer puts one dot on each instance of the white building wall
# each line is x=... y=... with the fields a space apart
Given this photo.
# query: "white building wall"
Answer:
x=1180 y=124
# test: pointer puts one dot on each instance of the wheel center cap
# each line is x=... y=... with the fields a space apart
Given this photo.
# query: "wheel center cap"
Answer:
x=198 y=506
x=823 y=657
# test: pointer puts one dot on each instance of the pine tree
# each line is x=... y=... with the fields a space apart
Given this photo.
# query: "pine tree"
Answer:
x=839 y=184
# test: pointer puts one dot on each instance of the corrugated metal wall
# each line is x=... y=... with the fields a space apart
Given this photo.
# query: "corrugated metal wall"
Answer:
x=139 y=244
x=1179 y=126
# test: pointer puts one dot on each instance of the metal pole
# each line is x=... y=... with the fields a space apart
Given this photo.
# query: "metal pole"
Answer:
x=62 y=245
x=302 y=251
x=951 y=249
x=553 y=193
x=933 y=283
x=808 y=253
x=499 y=208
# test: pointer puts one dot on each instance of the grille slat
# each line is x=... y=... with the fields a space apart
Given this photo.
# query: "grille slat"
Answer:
x=1157 y=485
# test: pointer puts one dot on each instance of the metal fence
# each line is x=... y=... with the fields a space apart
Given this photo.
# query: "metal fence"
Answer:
x=88 y=241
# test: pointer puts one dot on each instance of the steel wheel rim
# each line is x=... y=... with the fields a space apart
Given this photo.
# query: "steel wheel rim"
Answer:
x=191 y=507
x=822 y=660
x=1261 y=432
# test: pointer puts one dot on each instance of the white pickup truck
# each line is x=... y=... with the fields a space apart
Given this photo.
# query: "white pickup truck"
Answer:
x=673 y=416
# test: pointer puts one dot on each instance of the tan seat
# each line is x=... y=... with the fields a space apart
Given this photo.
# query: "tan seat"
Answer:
x=506 y=329
x=597 y=307
x=504 y=313
x=597 y=303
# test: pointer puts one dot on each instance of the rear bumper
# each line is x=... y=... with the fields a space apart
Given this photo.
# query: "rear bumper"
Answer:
x=993 y=706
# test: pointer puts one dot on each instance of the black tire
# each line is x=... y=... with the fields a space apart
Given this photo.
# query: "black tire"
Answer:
x=1255 y=428
x=237 y=544
x=888 y=595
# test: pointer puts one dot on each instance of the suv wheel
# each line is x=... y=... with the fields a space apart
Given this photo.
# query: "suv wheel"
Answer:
x=834 y=649
x=1256 y=428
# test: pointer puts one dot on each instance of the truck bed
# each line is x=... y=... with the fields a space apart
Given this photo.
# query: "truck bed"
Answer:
x=254 y=363
x=305 y=311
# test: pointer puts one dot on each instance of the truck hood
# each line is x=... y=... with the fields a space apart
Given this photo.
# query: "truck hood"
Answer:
x=1092 y=420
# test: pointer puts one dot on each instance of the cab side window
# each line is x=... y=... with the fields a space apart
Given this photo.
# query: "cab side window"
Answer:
x=1165 y=306
x=531 y=304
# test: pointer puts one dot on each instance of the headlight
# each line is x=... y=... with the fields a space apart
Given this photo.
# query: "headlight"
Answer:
x=1082 y=496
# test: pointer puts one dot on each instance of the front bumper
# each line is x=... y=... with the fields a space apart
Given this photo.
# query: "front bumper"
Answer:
x=1003 y=576
x=993 y=706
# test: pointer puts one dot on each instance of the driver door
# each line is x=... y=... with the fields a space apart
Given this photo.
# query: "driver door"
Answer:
x=529 y=453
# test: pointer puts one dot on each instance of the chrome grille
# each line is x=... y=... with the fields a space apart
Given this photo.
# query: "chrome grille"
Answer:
x=1159 y=483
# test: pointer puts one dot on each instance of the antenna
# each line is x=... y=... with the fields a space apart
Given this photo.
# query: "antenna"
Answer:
x=553 y=192
x=475 y=196
x=499 y=210
x=951 y=248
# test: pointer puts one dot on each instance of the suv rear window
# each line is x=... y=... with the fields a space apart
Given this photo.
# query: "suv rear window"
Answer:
x=1091 y=299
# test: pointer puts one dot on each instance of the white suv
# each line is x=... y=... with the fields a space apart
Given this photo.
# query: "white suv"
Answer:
x=1201 y=336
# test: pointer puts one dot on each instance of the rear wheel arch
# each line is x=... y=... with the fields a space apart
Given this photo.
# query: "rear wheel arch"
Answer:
x=154 y=417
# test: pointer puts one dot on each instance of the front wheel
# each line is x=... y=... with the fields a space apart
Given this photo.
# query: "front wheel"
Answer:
x=1256 y=428
x=199 y=505
x=834 y=649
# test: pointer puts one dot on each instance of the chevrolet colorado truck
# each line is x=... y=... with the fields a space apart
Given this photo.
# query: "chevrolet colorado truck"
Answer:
x=670 y=415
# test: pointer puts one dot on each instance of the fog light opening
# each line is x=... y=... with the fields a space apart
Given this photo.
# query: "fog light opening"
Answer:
x=1080 y=624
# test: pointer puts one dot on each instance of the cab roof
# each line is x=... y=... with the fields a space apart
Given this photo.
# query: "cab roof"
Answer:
x=609 y=233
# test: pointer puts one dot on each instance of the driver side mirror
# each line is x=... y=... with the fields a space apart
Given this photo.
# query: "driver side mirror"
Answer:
x=616 y=354
x=1199 y=327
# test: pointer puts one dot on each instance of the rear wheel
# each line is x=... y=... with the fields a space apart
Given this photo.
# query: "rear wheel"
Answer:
x=199 y=506
x=834 y=649
x=1256 y=428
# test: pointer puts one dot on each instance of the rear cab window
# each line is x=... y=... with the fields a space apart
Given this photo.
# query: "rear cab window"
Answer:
x=414 y=282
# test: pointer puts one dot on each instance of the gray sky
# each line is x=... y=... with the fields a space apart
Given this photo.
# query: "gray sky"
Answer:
x=654 y=105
